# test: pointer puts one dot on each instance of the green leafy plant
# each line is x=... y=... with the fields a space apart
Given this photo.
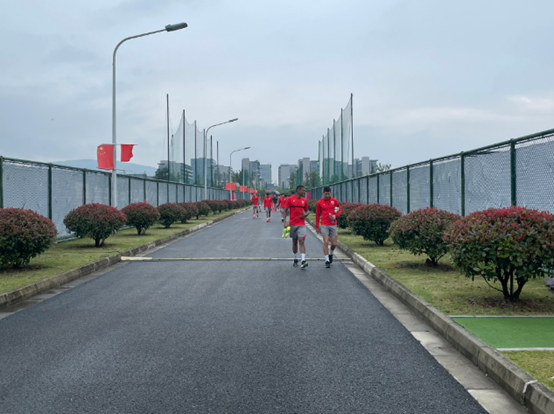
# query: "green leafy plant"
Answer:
x=170 y=213
x=372 y=221
x=203 y=209
x=24 y=234
x=97 y=221
x=189 y=211
x=347 y=208
x=509 y=244
x=141 y=216
x=421 y=232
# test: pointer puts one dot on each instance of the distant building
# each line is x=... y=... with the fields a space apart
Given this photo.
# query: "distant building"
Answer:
x=365 y=166
x=285 y=170
x=265 y=175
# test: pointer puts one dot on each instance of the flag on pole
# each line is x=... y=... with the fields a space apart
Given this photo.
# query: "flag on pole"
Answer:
x=126 y=152
x=104 y=156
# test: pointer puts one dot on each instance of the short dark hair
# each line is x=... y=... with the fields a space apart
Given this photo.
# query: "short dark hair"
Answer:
x=298 y=187
x=326 y=189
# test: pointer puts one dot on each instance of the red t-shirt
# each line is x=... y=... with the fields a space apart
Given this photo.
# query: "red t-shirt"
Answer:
x=296 y=206
x=268 y=202
x=281 y=202
x=255 y=200
x=324 y=208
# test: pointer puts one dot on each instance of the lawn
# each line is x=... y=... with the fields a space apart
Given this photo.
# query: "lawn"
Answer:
x=447 y=289
x=512 y=332
x=539 y=364
x=68 y=255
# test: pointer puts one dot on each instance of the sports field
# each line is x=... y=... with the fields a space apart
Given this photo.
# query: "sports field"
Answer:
x=513 y=332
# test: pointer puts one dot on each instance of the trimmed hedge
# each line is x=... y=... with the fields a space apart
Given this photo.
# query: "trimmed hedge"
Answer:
x=203 y=209
x=141 y=216
x=97 y=221
x=170 y=213
x=503 y=244
x=190 y=211
x=24 y=234
x=421 y=232
x=347 y=208
x=373 y=221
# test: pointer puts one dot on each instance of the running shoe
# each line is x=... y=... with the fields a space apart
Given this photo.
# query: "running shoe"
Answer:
x=267 y=220
x=254 y=216
x=330 y=258
x=295 y=263
x=304 y=264
x=328 y=263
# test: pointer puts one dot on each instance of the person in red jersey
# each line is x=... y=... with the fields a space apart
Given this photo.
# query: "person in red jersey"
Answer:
x=255 y=199
x=268 y=205
x=281 y=206
x=297 y=208
x=327 y=210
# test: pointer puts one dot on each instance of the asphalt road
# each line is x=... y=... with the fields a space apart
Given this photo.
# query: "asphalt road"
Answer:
x=220 y=337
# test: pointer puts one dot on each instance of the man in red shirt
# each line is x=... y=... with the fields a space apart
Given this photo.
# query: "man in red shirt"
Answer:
x=281 y=206
x=327 y=209
x=268 y=204
x=297 y=207
x=255 y=205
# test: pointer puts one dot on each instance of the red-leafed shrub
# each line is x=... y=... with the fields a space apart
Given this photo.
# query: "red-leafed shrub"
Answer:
x=421 y=232
x=97 y=221
x=141 y=216
x=347 y=208
x=504 y=244
x=372 y=221
x=228 y=204
x=170 y=213
x=203 y=209
x=213 y=204
x=190 y=211
x=24 y=234
x=312 y=204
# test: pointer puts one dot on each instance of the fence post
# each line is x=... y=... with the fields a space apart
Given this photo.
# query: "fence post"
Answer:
x=1 y=182
x=129 y=190
x=513 y=171
x=463 y=189
x=84 y=186
x=408 y=189
x=390 y=177
x=168 y=191
x=358 y=189
x=157 y=193
x=109 y=191
x=50 y=191
x=367 y=192
x=378 y=178
x=431 y=183
x=144 y=189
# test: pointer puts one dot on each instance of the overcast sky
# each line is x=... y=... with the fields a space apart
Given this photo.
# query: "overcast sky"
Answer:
x=429 y=77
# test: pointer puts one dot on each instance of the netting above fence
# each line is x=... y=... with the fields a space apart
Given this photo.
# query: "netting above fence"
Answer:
x=516 y=172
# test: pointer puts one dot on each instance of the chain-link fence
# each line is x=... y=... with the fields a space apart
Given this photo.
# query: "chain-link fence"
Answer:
x=54 y=190
x=516 y=172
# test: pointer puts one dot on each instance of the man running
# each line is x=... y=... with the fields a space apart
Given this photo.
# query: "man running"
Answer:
x=281 y=206
x=297 y=208
x=268 y=204
x=255 y=205
x=327 y=209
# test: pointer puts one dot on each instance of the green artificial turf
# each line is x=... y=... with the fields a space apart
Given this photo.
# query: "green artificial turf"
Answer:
x=511 y=332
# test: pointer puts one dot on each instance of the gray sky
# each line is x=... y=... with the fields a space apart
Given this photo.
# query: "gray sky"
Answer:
x=429 y=77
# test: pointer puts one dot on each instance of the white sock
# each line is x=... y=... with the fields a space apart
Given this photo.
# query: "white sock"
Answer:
x=295 y=256
x=303 y=257
x=331 y=253
x=326 y=257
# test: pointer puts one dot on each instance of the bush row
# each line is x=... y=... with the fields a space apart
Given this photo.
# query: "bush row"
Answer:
x=25 y=234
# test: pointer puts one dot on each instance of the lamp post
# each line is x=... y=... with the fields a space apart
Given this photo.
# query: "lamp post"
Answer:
x=230 y=190
x=205 y=155
x=168 y=28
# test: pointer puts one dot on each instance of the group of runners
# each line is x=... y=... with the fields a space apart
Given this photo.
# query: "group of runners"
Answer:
x=295 y=209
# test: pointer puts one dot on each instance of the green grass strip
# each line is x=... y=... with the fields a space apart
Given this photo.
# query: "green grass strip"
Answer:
x=539 y=364
x=511 y=332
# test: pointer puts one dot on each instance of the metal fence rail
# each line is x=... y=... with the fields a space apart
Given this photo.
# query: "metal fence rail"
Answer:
x=54 y=190
x=515 y=172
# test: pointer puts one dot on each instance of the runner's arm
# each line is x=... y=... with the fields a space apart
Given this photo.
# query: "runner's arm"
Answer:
x=317 y=215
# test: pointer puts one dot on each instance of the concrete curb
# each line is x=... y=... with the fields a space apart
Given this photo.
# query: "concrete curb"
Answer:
x=524 y=388
x=41 y=286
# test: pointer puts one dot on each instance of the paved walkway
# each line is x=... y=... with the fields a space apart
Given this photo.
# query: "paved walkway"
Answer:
x=221 y=337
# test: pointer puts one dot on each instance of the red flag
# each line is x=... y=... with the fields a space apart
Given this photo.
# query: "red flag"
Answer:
x=104 y=156
x=231 y=186
x=126 y=152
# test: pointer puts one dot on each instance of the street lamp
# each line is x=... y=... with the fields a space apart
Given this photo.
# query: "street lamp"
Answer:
x=230 y=190
x=168 y=28
x=205 y=155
